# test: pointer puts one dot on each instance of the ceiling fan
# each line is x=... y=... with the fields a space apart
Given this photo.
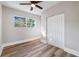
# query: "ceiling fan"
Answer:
x=33 y=4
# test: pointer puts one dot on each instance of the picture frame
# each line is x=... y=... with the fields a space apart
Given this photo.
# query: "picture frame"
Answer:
x=20 y=21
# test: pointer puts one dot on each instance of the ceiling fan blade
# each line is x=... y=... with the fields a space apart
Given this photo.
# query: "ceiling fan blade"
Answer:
x=35 y=2
x=38 y=6
x=31 y=8
x=25 y=3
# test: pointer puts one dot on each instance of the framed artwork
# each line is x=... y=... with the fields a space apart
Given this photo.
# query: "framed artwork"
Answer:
x=20 y=21
x=30 y=23
x=23 y=22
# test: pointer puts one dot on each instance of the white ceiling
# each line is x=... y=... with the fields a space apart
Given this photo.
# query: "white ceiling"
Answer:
x=26 y=8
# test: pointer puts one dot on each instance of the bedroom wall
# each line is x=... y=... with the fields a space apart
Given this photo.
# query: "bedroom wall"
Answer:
x=0 y=25
x=43 y=27
x=14 y=34
x=71 y=12
x=1 y=48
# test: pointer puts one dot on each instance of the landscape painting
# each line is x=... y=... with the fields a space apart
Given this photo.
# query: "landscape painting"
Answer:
x=20 y=21
x=30 y=23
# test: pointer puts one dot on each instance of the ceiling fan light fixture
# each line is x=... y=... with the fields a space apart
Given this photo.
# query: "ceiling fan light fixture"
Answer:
x=32 y=5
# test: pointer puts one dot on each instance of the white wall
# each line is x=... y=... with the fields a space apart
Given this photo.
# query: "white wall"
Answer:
x=0 y=25
x=43 y=28
x=71 y=11
x=12 y=33
x=1 y=48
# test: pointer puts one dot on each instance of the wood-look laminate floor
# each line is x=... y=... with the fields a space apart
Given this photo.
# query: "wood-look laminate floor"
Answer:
x=34 y=49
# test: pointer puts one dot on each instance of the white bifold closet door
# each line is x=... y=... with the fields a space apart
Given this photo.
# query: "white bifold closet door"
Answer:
x=55 y=30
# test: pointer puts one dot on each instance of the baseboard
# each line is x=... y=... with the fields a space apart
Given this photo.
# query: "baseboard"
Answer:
x=22 y=41
x=76 y=53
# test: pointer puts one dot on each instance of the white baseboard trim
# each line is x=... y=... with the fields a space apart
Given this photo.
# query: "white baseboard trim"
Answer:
x=76 y=53
x=18 y=42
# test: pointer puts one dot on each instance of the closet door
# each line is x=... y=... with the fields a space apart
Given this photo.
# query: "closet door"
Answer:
x=55 y=30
